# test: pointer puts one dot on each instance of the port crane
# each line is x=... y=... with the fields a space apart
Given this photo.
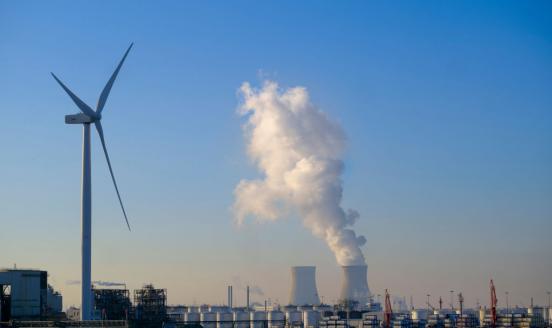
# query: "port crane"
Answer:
x=388 y=312
x=493 y=304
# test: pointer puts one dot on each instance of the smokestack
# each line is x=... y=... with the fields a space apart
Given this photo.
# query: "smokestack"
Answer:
x=230 y=297
x=303 y=286
x=355 y=284
x=247 y=298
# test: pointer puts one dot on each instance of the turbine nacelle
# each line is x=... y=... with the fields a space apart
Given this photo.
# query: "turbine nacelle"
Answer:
x=79 y=118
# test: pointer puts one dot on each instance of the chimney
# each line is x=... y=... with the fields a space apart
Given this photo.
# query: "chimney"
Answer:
x=247 y=300
x=230 y=297
x=354 y=286
x=303 y=286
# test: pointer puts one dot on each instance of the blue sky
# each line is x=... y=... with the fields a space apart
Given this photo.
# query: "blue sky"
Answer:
x=446 y=106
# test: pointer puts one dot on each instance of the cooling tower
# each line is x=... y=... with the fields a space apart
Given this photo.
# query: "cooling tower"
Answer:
x=354 y=286
x=303 y=286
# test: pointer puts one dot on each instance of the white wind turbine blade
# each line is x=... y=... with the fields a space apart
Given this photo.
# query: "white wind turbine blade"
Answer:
x=100 y=132
x=107 y=88
x=81 y=104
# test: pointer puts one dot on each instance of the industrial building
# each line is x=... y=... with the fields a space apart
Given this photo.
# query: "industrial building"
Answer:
x=150 y=307
x=111 y=304
x=26 y=298
x=27 y=295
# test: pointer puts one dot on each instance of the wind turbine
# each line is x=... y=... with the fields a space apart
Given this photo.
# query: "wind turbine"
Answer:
x=87 y=117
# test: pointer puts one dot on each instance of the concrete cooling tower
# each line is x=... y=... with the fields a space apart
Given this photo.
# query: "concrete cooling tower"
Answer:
x=303 y=286
x=354 y=285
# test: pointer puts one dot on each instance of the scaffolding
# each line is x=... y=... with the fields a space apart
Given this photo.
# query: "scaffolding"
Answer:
x=112 y=304
x=150 y=306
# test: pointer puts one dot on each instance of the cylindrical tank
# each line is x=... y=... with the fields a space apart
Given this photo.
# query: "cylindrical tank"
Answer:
x=276 y=319
x=218 y=308
x=482 y=316
x=241 y=318
x=191 y=317
x=225 y=320
x=311 y=318
x=257 y=319
x=208 y=319
x=294 y=318
x=305 y=307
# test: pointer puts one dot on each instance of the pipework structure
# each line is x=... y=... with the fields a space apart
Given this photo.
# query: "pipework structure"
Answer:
x=112 y=304
x=150 y=306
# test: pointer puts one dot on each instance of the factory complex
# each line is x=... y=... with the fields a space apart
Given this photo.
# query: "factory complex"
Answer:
x=28 y=300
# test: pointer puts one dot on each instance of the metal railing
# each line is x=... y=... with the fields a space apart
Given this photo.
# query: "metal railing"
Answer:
x=65 y=324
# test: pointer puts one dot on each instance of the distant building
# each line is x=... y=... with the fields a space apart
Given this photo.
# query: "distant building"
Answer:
x=73 y=313
x=54 y=301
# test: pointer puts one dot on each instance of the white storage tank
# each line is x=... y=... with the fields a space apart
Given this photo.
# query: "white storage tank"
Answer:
x=219 y=308
x=311 y=318
x=257 y=319
x=241 y=318
x=276 y=319
x=191 y=317
x=294 y=317
x=481 y=315
x=225 y=320
x=209 y=319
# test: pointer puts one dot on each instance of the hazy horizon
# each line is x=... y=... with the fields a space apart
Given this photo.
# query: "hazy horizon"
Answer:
x=446 y=113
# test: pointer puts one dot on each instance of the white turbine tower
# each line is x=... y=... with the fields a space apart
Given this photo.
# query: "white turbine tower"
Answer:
x=87 y=117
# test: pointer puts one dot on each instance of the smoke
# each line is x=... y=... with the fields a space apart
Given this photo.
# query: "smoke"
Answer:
x=108 y=283
x=298 y=149
x=97 y=283
x=253 y=289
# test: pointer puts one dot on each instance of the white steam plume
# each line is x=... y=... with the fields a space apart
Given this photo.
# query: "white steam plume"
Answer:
x=298 y=149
